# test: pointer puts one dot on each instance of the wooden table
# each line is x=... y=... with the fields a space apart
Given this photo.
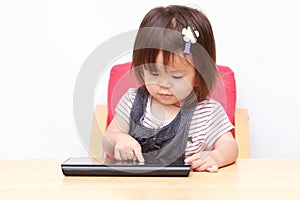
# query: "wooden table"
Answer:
x=246 y=179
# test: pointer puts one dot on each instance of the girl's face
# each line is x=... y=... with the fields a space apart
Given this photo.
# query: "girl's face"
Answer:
x=170 y=85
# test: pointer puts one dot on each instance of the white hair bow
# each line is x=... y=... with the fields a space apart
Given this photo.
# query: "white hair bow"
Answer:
x=190 y=37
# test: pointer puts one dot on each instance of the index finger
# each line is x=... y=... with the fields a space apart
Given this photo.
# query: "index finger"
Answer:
x=192 y=158
x=138 y=153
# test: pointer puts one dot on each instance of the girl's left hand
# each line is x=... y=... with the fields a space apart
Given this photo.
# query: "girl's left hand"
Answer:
x=203 y=161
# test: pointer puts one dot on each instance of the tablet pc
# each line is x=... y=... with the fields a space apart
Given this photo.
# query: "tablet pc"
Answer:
x=86 y=166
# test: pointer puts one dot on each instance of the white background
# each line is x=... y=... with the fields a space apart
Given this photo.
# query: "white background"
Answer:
x=43 y=45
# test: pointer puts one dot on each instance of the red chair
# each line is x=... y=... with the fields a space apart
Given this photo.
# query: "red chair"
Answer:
x=121 y=78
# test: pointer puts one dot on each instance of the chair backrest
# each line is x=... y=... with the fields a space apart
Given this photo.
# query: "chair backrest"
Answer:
x=121 y=78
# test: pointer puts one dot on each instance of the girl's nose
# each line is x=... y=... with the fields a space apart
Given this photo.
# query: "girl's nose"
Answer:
x=164 y=82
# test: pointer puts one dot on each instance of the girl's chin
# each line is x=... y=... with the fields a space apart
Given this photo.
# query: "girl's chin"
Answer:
x=168 y=101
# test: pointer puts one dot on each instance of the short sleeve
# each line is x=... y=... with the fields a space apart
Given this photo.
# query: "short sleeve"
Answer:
x=217 y=125
x=124 y=106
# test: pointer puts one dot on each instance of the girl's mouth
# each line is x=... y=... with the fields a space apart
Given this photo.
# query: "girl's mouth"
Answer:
x=165 y=96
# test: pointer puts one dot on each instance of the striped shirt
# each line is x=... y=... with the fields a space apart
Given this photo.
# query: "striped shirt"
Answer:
x=209 y=121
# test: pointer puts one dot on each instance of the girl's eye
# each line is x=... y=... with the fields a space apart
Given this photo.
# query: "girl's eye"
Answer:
x=154 y=74
x=177 y=77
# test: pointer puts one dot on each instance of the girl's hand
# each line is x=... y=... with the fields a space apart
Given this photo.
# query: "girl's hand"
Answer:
x=127 y=148
x=225 y=152
x=118 y=143
x=203 y=161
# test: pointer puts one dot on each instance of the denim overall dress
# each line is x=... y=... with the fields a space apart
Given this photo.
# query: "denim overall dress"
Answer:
x=164 y=145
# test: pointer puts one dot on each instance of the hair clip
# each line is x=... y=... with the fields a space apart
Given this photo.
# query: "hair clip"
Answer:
x=190 y=37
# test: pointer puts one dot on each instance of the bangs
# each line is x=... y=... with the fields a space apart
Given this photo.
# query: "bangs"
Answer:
x=150 y=40
x=168 y=59
x=150 y=64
